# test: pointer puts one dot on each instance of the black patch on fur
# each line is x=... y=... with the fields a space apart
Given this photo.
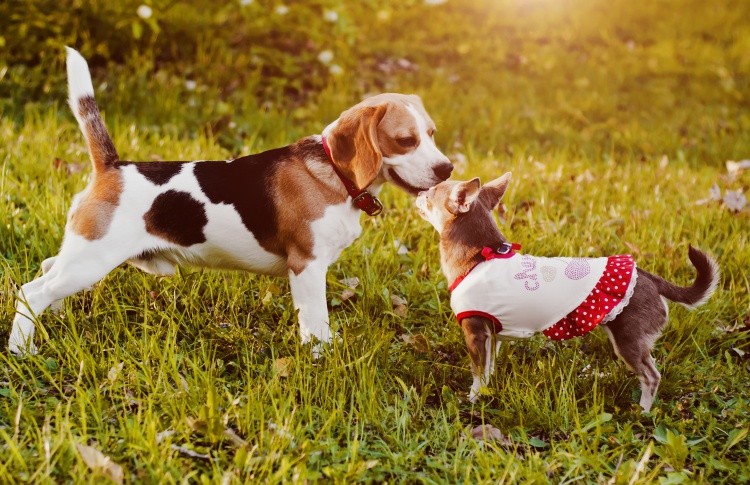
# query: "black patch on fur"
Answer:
x=177 y=217
x=246 y=183
x=158 y=173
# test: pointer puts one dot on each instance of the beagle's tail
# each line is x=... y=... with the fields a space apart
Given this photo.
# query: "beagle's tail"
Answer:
x=702 y=288
x=81 y=99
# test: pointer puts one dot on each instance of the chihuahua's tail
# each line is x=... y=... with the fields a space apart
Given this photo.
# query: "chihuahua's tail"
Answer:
x=81 y=98
x=702 y=288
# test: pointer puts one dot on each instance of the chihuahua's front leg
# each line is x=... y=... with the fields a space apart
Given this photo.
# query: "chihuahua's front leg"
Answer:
x=309 y=295
x=479 y=341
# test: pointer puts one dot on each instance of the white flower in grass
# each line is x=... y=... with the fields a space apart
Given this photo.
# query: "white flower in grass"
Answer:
x=245 y=3
x=330 y=15
x=144 y=12
x=434 y=2
x=335 y=69
x=282 y=10
x=325 y=56
x=190 y=85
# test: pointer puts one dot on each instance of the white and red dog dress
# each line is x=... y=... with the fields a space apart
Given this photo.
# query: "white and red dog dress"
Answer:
x=561 y=297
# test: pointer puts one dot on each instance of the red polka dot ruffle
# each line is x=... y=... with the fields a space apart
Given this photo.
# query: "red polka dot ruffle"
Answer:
x=606 y=295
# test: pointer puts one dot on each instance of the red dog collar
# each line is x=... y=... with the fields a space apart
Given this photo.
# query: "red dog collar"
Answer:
x=364 y=200
x=505 y=251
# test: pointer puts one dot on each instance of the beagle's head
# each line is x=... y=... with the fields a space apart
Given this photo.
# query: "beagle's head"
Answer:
x=390 y=136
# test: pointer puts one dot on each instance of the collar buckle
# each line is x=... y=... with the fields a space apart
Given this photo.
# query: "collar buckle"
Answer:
x=364 y=200
x=504 y=248
x=367 y=203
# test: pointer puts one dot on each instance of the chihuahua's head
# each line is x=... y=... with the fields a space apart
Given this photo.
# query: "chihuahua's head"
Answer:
x=453 y=201
x=462 y=214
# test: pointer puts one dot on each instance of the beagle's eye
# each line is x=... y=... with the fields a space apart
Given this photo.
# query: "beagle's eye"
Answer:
x=407 y=141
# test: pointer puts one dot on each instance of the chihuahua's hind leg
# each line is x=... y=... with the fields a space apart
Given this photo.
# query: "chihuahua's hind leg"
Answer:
x=633 y=334
x=479 y=341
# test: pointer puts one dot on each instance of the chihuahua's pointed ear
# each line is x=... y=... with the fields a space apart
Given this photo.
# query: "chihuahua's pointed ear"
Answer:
x=354 y=144
x=493 y=192
x=462 y=195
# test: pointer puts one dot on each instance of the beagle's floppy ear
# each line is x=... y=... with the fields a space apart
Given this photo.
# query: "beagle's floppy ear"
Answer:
x=493 y=192
x=462 y=195
x=354 y=144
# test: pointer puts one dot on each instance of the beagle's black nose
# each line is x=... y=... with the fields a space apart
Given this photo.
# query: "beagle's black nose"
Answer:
x=443 y=171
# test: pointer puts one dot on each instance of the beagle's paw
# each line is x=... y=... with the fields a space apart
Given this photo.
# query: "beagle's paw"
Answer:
x=19 y=349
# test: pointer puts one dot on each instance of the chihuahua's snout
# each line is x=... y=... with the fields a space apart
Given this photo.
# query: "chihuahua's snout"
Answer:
x=443 y=171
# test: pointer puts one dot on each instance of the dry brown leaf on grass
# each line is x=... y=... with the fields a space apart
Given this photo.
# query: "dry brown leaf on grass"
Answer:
x=100 y=463
x=487 y=432
x=282 y=366
x=351 y=285
x=346 y=294
x=417 y=341
x=399 y=306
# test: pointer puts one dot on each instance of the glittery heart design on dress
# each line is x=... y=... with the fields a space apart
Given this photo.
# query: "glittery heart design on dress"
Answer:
x=578 y=268
x=548 y=273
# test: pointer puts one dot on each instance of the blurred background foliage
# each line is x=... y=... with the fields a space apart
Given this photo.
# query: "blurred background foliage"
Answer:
x=635 y=78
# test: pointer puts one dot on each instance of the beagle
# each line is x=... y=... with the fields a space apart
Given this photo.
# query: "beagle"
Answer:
x=285 y=212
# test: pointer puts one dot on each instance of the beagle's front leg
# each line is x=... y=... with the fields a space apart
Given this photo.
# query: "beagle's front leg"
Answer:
x=309 y=295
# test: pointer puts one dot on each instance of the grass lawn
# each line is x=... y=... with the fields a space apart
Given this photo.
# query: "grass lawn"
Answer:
x=616 y=123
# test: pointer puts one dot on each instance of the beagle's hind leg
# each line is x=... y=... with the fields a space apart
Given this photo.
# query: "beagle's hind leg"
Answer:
x=79 y=265
x=46 y=267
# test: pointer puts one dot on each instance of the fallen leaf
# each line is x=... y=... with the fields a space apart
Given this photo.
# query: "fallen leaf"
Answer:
x=271 y=292
x=734 y=167
x=417 y=341
x=402 y=249
x=346 y=294
x=714 y=193
x=190 y=453
x=98 y=462
x=234 y=438
x=487 y=432
x=163 y=434
x=399 y=306
x=351 y=283
x=282 y=366
x=114 y=371
x=735 y=200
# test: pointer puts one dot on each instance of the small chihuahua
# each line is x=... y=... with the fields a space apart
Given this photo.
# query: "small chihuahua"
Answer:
x=496 y=290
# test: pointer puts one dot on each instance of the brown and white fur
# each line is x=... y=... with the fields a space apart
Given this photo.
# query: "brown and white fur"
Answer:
x=462 y=214
x=283 y=212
